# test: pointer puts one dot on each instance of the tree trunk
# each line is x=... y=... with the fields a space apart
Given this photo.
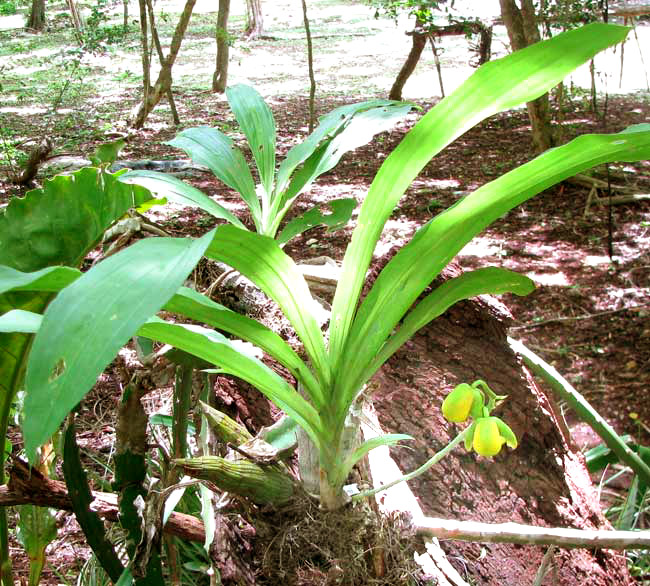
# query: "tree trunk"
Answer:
x=254 y=19
x=164 y=82
x=522 y=32
x=36 y=20
x=419 y=42
x=220 y=77
x=310 y=63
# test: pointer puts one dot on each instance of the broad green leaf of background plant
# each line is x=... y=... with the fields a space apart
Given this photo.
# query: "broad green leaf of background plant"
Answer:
x=210 y=147
x=435 y=244
x=496 y=86
x=55 y=225
x=177 y=191
x=100 y=310
x=60 y=223
x=340 y=212
x=256 y=122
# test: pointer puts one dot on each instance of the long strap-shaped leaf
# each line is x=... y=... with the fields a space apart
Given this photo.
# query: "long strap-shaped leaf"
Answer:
x=207 y=146
x=91 y=319
x=193 y=305
x=436 y=243
x=328 y=126
x=261 y=260
x=496 y=86
x=489 y=280
x=214 y=347
x=256 y=122
x=179 y=192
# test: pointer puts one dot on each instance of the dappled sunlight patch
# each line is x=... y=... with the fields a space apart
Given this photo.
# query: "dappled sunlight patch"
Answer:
x=396 y=233
x=23 y=111
x=557 y=279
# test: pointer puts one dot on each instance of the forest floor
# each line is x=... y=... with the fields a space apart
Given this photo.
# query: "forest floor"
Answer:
x=589 y=314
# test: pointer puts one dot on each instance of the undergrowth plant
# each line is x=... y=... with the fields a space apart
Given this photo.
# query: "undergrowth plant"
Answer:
x=92 y=318
x=342 y=130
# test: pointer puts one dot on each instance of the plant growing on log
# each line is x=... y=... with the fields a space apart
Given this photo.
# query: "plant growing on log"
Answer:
x=342 y=130
x=92 y=318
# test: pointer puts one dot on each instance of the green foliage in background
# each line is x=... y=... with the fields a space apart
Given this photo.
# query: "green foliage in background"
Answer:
x=268 y=201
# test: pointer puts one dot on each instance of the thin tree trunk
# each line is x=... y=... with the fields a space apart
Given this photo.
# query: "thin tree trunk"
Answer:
x=77 y=22
x=220 y=77
x=144 y=42
x=125 y=21
x=164 y=82
x=161 y=58
x=522 y=31
x=36 y=20
x=437 y=62
x=419 y=42
x=310 y=62
x=254 y=19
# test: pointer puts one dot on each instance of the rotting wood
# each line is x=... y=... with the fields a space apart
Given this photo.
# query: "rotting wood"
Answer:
x=28 y=486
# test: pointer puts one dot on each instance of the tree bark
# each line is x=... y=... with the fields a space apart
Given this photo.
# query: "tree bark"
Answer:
x=419 y=42
x=522 y=31
x=28 y=486
x=164 y=82
x=254 y=19
x=220 y=77
x=310 y=63
x=36 y=20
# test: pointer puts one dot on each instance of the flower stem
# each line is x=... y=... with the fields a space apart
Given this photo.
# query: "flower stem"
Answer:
x=433 y=460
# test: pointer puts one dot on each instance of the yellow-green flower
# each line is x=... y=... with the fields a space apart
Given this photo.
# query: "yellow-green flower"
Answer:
x=490 y=434
x=458 y=404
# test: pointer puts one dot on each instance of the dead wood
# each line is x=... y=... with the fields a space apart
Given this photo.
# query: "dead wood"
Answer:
x=28 y=486
x=37 y=155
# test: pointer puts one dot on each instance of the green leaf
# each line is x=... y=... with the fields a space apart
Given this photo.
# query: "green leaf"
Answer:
x=389 y=439
x=207 y=146
x=256 y=122
x=175 y=190
x=60 y=223
x=107 y=152
x=167 y=421
x=215 y=348
x=329 y=125
x=51 y=279
x=90 y=320
x=261 y=260
x=490 y=280
x=494 y=87
x=18 y=320
x=354 y=128
x=340 y=213
x=435 y=244
x=197 y=307
x=80 y=496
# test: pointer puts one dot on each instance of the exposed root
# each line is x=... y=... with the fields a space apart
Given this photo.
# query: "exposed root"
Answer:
x=303 y=545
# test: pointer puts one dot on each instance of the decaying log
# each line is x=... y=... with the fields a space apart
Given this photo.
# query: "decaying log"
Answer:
x=28 y=486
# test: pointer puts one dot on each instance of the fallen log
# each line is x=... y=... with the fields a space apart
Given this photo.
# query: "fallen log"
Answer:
x=28 y=486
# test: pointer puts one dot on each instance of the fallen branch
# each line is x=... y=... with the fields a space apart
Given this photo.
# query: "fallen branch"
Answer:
x=530 y=535
x=28 y=486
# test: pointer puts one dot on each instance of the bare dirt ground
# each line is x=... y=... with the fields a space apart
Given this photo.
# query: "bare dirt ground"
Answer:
x=589 y=314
